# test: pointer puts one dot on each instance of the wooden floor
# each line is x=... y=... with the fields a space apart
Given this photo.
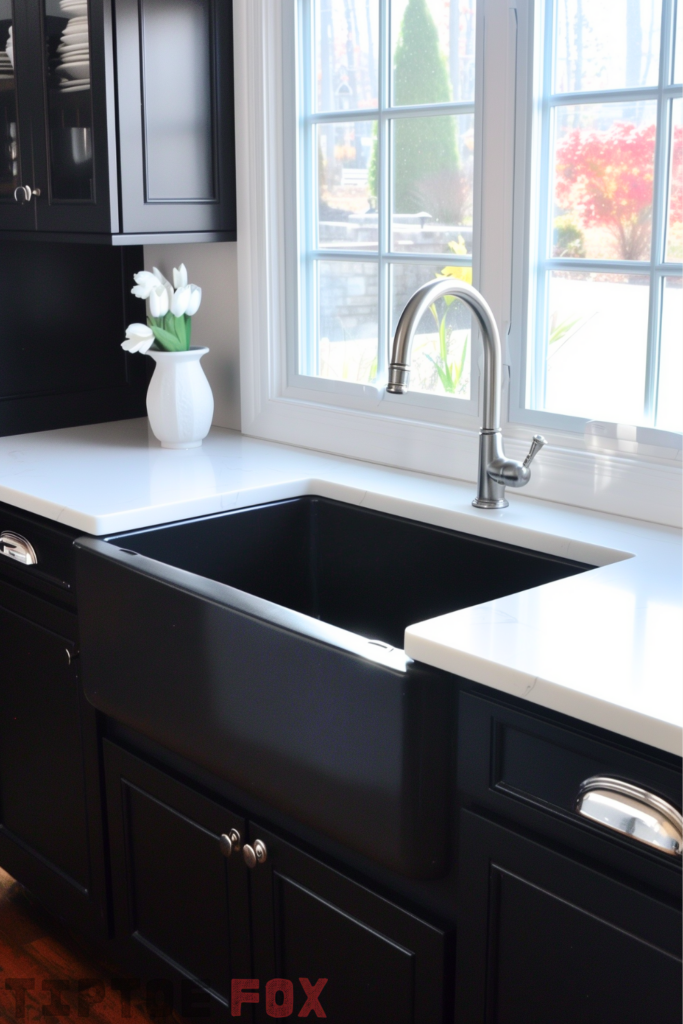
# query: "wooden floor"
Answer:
x=37 y=951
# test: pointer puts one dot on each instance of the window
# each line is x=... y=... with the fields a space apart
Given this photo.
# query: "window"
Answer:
x=386 y=186
x=605 y=337
x=339 y=224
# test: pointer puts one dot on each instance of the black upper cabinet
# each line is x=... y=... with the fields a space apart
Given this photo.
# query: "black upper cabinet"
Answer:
x=117 y=120
x=177 y=145
x=16 y=150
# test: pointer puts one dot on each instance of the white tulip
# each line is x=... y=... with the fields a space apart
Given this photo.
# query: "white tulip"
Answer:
x=159 y=302
x=180 y=276
x=162 y=280
x=139 y=338
x=180 y=301
x=195 y=299
x=144 y=283
x=160 y=277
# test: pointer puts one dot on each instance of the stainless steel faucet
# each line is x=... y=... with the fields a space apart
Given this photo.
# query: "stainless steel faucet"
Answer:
x=495 y=471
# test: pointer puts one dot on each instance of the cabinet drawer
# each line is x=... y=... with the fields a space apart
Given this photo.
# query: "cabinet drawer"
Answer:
x=530 y=769
x=54 y=572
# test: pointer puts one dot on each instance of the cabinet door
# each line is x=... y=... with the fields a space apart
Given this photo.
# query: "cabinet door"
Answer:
x=180 y=905
x=176 y=115
x=543 y=938
x=17 y=64
x=44 y=828
x=309 y=921
x=73 y=138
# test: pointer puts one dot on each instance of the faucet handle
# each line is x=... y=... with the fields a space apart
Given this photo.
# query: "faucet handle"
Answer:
x=538 y=442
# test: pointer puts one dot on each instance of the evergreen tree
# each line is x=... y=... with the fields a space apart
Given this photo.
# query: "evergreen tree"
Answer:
x=425 y=149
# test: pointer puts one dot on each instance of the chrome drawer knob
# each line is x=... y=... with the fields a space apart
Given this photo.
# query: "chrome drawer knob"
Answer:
x=256 y=854
x=230 y=842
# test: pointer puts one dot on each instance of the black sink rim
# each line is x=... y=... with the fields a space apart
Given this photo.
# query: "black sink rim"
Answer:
x=276 y=615
x=279 y=614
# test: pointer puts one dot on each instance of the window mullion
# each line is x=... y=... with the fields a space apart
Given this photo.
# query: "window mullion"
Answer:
x=636 y=94
x=539 y=370
x=383 y=190
x=659 y=203
x=309 y=186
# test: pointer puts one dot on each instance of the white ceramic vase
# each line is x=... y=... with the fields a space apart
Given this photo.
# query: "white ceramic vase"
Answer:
x=179 y=399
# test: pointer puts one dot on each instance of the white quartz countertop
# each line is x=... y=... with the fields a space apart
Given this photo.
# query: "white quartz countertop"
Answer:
x=604 y=646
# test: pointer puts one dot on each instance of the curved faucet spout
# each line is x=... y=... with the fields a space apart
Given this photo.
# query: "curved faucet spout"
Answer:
x=417 y=306
x=495 y=471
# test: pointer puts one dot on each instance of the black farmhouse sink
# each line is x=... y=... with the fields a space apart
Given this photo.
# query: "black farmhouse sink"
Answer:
x=367 y=572
x=266 y=645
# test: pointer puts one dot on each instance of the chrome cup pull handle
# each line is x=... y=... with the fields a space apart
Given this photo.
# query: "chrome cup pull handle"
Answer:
x=633 y=812
x=16 y=547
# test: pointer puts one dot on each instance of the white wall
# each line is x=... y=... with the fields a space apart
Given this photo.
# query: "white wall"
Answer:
x=213 y=266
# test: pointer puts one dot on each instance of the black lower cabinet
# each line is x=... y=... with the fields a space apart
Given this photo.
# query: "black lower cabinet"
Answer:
x=187 y=913
x=50 y=826
x=545 y=939
x=309 y=921
x=180 y=905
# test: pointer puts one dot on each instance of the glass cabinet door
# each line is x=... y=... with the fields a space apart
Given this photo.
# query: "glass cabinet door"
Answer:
x=10 y=166
x=69 y=101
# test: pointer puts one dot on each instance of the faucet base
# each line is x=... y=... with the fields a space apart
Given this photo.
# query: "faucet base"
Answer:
x=490 y=503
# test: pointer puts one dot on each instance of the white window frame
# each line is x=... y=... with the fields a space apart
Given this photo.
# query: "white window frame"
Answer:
x=639 y=480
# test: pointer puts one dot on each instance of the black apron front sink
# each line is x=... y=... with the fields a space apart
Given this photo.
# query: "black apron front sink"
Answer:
x=265 y=645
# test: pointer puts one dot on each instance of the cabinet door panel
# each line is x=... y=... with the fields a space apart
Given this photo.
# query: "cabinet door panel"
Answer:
x=42 y=788
x=311 y=922
x=179 y=150
x=16 y=154
x=176 y=115
x=74 y=144
x=545 y=938
x=178 y=889
x=179 y=903
x=51 y=836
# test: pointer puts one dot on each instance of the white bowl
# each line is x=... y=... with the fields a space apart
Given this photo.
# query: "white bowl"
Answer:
x=77 y=69
x=74 y=51
x=77 y=39
x=77 y=11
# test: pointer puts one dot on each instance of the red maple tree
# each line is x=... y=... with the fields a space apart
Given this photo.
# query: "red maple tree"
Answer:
x=606 y=177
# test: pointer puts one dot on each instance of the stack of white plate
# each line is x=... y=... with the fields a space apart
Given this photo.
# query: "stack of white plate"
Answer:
x=74 y=47
x=6 y=69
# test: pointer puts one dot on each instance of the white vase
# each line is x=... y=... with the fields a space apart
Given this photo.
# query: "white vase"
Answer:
x=179 y=399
